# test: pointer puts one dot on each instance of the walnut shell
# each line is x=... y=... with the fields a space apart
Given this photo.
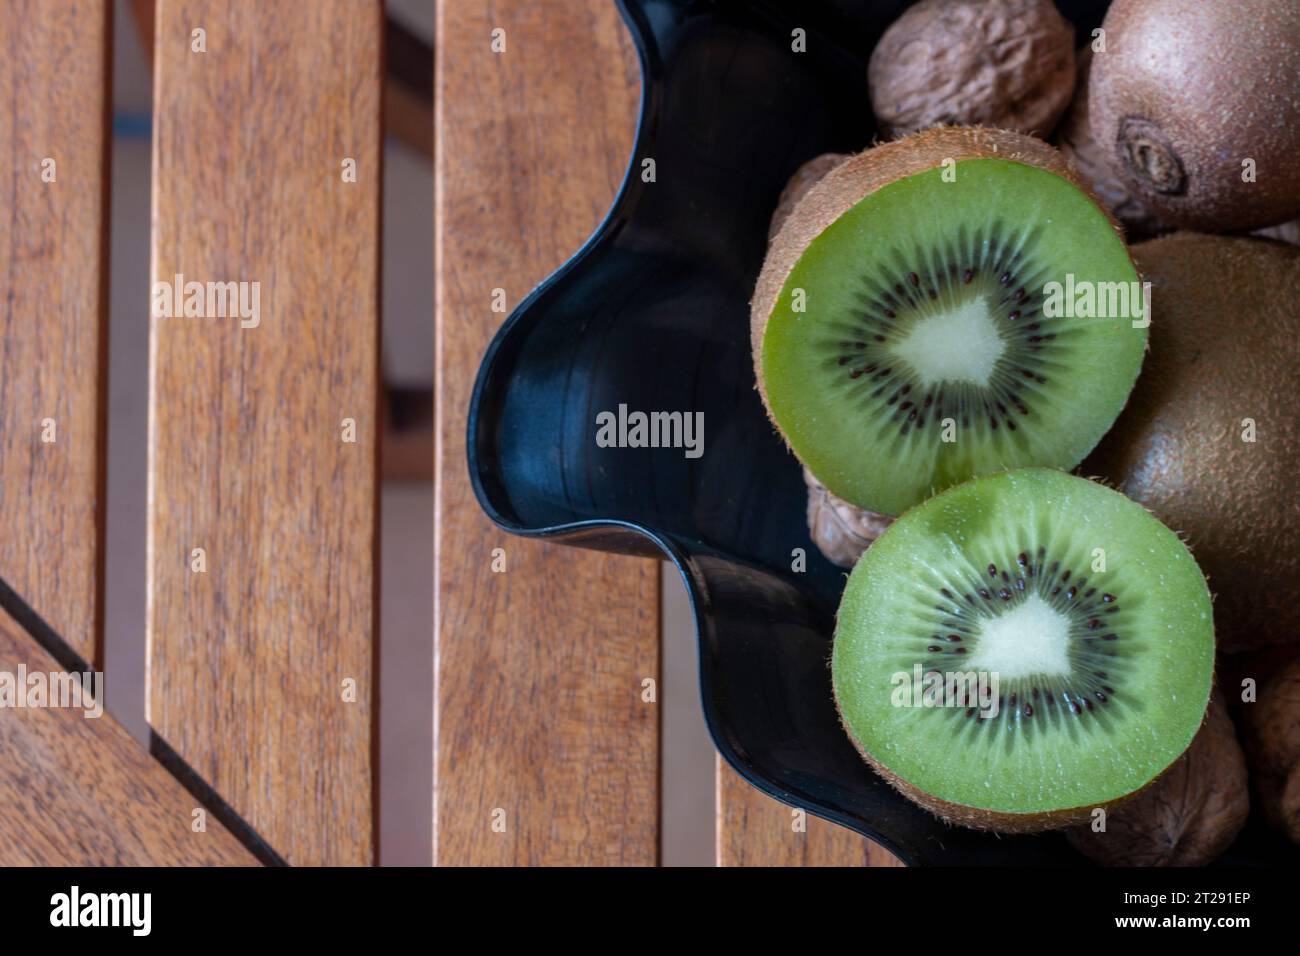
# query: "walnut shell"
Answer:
x=1093 y=163
x=840 y=530
x=1189 y=816
x=1002 y=63
x=805 y=178
x=1270 y=730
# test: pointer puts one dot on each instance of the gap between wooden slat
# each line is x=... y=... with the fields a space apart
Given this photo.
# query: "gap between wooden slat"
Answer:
x=54 y=102
x=77 y=790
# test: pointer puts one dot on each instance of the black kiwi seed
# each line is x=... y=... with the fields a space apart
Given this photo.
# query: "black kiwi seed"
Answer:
x=1088 y=688
x=983 y=264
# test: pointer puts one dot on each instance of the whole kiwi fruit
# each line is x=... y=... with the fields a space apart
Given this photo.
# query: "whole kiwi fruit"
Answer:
x=1093 y=163
x=1199 y=103
x=1209 y=440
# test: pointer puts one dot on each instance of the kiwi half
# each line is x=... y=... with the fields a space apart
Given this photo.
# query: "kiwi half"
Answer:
x=899 y=330
x=1093 y=616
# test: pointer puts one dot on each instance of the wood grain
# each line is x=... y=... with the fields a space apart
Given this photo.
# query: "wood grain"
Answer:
x=538 y=710
x=77 y=790
x=53 y=329
x=408 y=115
x=250 y=661
x=755 y=830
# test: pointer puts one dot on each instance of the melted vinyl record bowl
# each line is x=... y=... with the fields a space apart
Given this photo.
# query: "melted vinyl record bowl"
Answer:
x=653 y=314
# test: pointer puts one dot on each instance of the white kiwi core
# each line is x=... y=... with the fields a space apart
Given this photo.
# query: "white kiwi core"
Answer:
x=1028 y=640
x=959 y=344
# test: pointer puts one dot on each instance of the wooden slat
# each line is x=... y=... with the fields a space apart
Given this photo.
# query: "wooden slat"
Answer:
x=538 y=670
x=53 y=280
x=755 y=830
x=249 y=661
x=408 y=108
x=77 y=790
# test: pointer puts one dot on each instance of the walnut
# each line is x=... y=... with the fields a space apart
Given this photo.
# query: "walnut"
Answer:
x=1003 y=63
x=1189 y=816
x=1270 y=730
x=840 y=530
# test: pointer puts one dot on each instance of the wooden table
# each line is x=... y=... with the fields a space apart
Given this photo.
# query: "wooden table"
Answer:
x=265 y=444
x=539 y=723
x=263 y=438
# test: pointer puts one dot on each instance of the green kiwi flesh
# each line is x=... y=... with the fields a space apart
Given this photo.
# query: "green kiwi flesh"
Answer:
x=1093 y=616
x=909 y=349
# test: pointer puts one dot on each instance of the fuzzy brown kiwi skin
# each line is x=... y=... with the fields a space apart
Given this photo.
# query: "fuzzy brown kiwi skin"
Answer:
x=1093 y=162
x=863 y=174
x=805 y=178
x=979 y=818
x=1222 y=348
x=1180 y=111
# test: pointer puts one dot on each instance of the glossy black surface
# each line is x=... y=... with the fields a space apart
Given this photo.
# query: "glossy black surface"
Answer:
x=653 y=314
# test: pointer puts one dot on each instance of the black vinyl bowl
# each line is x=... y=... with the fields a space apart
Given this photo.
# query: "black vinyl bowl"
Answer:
x=653 y=313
